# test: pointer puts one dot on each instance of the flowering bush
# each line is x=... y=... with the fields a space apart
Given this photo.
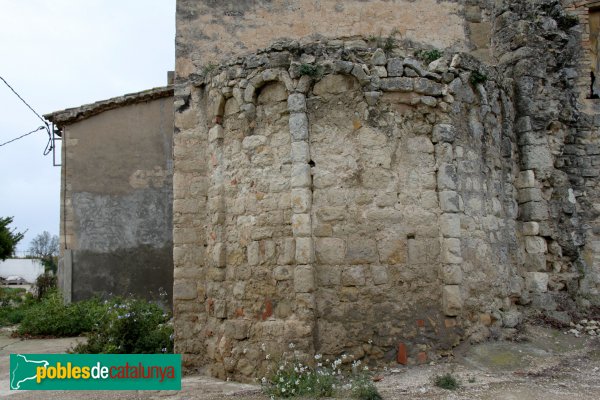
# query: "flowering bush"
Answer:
x=130 y=326
x=324 y=379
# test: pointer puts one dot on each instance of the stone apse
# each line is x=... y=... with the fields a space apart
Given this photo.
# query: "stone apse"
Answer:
x=337 y=192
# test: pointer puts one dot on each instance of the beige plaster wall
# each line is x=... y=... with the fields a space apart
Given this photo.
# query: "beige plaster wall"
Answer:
x=212 y=31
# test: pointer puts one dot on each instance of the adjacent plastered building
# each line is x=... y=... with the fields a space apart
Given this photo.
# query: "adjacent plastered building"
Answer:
x=116 y=196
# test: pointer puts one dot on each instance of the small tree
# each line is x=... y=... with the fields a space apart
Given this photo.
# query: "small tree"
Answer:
x=45 y=247
x=8 y=238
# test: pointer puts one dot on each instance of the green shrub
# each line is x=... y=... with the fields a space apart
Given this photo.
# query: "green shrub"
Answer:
x=447 y=382
x=429 y=56
x=13 y=303
x=51 y=317
x=11 y=296
x=130 y=326
x=309 y=70
x=363 y=388
x=44 y=284
x=477 y=77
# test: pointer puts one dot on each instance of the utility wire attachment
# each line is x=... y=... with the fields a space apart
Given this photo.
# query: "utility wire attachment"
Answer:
x=22 y=136
x=47 y=127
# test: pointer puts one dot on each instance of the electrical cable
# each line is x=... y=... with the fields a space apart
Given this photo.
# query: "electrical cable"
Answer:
x=28 y=106
x=49 y=146
x=22 y=136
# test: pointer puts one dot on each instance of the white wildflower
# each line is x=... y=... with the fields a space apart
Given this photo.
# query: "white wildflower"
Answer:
x=291 y=346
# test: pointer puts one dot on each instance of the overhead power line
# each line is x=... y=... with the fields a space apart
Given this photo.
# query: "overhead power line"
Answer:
x=22 y=136
x=49 y=146
x=27 y=104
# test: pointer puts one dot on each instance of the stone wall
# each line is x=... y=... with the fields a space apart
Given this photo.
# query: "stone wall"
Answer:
x=351 y=198
x=210 y=31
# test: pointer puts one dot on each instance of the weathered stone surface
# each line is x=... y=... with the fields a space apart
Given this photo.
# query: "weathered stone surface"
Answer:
x=451 y=253
x=283 y=272
x=535 y=244
x=379 y=274
x=299 y=126
x=443 y=133
x=334 y=84
x=533 y=211
x=330 y=250
x=452 y=274
x=537 y=282
x=392 y=250
x=185 y=290
x=529 y=194
x=216 y=132
x=353 y=276
x=304 y=279
x=428 y=87
x=535 y=262
x=300 y=176
x=531 y=228
x=301 y=224
x=301 y=200
x=296 y=103
x=300 y=152
x=525 y=179
x=450 y=225
x=395 y=67
x=446 y=177
x=361 y=251
x=452 y=301
x=304 y=250
x=450 y=201
x=397 y=84
x=378 y=57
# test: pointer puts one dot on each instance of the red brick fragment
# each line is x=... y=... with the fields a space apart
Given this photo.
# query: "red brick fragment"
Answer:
x=268 y=310
x=421 y=357
x=402 y=357
x=421 y=323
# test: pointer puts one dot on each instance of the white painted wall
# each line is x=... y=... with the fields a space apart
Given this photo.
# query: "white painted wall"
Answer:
x=26 y=268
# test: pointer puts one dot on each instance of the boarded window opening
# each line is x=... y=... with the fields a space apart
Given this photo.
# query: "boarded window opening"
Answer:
x=594 y=18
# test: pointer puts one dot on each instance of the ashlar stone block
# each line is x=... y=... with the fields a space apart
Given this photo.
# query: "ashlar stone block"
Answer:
x=353 y=276
x=300 y=152
x=450 y=201
x=298 y=125
x=301 y=176
x=301 y=200
x=526 y=179
x=452 y=274
x=304 y=279
x=379 y=274
x=446 y=177
x=304 y=250
x=451 y=300
x=361 y=251
x=301 y=224
x=330 y=250
x=297 y=103
x=450 y=225
x=451 y=253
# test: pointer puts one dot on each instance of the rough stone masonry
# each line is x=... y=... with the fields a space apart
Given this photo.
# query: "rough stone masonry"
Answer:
x=372 y=188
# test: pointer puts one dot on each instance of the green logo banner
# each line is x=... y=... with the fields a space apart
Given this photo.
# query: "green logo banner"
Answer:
x=95 y=372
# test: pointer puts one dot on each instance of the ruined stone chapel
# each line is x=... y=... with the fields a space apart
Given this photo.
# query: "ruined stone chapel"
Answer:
x=380 y=178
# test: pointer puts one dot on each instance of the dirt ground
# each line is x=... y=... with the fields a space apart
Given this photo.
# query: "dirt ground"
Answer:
x=546 y=365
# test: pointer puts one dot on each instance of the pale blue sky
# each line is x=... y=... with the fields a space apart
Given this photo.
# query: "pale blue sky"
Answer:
x=65 y=53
